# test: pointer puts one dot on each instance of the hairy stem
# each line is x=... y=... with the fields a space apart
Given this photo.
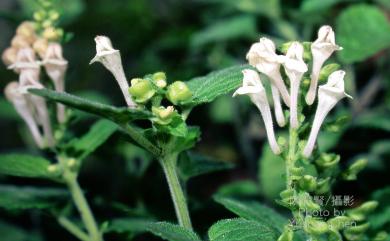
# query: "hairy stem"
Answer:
x=169 y=165
x=79 y=200
x=84 y=209
x=73 y=229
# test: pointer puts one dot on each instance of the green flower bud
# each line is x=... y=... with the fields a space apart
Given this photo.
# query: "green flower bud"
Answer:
x=287 y=198
x=54 y=170
x=351 y=173
x=308 y=183
x=305 y=202
x=327 y=160
x=323 y=186
x=339 y=222
x=360 y=213
x=334 y=235
x=163 y=115
x=356 y=232
x=326 y=71
x=178 y=92
x=297 y=171
x=160 y=79
x=287 y=234
x=53 y=15
x=314 y=226
x=39 y=15
x=141 y=90
x=72 y=164
x=47 y=23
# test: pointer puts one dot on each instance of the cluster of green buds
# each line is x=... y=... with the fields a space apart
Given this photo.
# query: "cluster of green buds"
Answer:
x=46 y=20
x=153 y=89
x=148 y=92
x=32 y=50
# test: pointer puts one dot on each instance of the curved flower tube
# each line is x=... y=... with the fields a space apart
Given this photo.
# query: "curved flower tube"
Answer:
x=279 y=115
x=328 y=96
x=111 y=59
x=253 y=87
x=24 y=108
x=295 y=67
x=56 y=66
x=321 y=49
x=262 y=55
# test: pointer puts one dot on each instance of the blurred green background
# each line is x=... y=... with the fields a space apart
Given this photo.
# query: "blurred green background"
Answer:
x=190 y=38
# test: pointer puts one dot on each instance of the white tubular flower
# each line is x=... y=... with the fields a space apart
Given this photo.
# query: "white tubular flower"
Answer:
x=262 y=56
x=280 y=119
x=24 y=109
x=295 y=67
x=111 y=59
x=28 y=68
x=42 y=117
x=322 y=48
x=55 y=66
x=328 y=96
x=253 y=87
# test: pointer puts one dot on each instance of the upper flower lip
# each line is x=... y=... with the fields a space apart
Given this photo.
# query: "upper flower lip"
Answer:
x=25 y=58
x=335 y=84
x=251 y=83
x=294 y=58
x=54 y=55
x=326 y=39
x=104 y=45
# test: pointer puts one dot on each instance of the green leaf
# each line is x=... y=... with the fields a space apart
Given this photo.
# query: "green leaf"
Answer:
x=13 y=197
x=95 y=137
x=240 y=229
x=7 y=111
x=128 y=225
x=193 y=164
x=318 y=5
x=172 y=232
x=10 y=232
x=254 y=211
x=239 y=188
x=381 y=216
x=271 y=173
x=362 y=30
x=166 y=231
x=243 y=27
x=267 y=8
x=188 y=141
x=24 y=166
x=205 y=89
x=116 y=114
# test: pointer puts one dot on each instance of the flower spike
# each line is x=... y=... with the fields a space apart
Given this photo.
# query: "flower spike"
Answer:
x=295 y=67
x=322 y=48
x=328 y=96
x=253 y=87
x=262 y=56
x=111 y=59
x=24 y=109
x=55 y=66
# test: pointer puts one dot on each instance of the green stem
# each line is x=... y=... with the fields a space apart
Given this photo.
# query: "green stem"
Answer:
x=83 y=208
x=169 y=165
x=73 y=229
x=139 y=137
x=291 y=157
x=70 y=178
